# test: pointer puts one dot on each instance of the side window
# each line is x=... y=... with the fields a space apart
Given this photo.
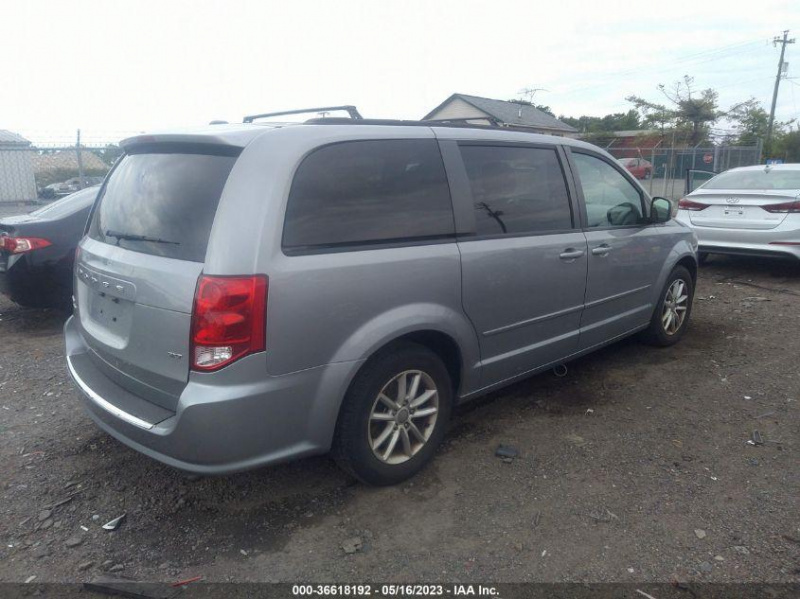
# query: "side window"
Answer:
x=517 y=190
x=611 y=200
x=369 y=191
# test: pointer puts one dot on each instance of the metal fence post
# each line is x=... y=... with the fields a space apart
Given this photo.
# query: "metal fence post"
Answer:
x=81 y=179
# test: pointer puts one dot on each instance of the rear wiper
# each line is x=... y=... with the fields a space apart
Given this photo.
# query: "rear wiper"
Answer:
x=131 y=237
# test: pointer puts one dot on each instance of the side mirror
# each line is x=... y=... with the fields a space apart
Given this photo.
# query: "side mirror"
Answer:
x=660 y=210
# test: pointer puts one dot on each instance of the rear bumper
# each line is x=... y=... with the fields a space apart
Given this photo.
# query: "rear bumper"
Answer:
x=11 y=271
x=748 y=242
x=233 y=420
x=30 y=283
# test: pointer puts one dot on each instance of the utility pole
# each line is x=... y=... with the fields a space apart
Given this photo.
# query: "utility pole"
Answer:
x=783 y=42
x=81 y=180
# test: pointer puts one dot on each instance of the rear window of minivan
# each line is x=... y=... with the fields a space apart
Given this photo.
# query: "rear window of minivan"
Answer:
x=368 y=192
x=162 y=201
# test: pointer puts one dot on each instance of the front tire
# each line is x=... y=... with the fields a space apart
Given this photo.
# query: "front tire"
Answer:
x=702 y=258
x=671 y=316
x=394 y=415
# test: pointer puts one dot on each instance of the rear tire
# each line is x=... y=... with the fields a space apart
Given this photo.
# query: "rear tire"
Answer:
x=671 y=316
x=387 y=430
x=702 y=258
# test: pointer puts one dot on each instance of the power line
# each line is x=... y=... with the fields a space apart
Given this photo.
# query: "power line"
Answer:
x=651 y=70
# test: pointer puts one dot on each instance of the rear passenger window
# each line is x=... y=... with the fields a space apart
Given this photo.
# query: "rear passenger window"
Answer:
x=517 y=190
x=368 y=192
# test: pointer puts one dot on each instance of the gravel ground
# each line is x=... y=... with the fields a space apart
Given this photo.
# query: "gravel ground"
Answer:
x=635 y=467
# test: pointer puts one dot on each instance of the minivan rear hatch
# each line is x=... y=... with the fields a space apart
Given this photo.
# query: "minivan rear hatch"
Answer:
x=138 y=267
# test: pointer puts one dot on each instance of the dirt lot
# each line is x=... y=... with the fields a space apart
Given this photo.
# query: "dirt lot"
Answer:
x=634 y=467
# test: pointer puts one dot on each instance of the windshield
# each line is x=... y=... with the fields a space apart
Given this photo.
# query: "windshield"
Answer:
x=627 y=161
x=756 y=179
x=162 y=203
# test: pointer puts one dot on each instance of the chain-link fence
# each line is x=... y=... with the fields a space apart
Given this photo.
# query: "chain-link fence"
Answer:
x=662 y=170
x=31 y=171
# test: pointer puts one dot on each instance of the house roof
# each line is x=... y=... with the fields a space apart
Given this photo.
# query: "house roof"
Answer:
x=9 y=137
x=510 y=113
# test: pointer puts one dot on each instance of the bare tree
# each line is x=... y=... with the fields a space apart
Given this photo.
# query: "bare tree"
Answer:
x=687 y=108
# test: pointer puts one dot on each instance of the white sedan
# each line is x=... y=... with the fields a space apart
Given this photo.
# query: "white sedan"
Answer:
x=751 y=211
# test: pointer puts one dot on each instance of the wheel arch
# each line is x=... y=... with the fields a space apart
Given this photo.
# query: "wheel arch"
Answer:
x=690 y=263
x=443 y=330
x=440 y=343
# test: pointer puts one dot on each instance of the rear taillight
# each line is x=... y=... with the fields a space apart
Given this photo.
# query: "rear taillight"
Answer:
x=228 y=320
x=786 y=207
x=685 y=204
x=20 y=245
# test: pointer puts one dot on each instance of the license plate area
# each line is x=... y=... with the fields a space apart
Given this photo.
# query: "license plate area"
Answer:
x=735 y=212
x=107 y=311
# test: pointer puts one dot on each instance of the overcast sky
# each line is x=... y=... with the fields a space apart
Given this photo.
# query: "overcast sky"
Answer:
x=116 y=66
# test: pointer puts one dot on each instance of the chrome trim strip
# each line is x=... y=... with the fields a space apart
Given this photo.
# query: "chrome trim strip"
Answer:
x=108 y=407
x=616 y=296
x=523 y=323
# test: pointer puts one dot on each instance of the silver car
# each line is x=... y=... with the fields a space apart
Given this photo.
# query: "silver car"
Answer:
x=749 y=211
x=249 y=294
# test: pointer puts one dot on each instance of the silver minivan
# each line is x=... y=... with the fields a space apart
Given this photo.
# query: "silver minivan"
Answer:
x=249 y=294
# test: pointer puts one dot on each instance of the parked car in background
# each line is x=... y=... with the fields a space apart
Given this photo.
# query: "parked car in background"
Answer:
x=248 y=294
x=750 y=211
x=37 y=251
x=55 y=190
x=638 y=167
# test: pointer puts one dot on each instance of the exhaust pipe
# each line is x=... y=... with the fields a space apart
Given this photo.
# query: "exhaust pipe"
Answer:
x=560 y=370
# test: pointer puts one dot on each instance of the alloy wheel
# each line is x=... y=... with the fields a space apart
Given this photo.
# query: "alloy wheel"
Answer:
x=403 y=417
x=675 y=306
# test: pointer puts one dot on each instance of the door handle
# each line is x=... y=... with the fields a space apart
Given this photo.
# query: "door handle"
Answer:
x=571 y=254
x=601 y=250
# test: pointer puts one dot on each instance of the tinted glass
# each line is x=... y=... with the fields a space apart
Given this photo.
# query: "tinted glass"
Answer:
x=80 y=200
x=611 y=200
x=758 y=179
x=369 y=191
x=517 y=190
x=168 y=198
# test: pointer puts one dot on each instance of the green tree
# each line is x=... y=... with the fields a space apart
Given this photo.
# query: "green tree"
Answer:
x=618 y=121
x=786 y=145
x=687 y=109
x=750 y=121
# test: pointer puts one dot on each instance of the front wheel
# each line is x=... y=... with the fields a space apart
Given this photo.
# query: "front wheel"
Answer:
x=394 y=415
x=671 y=316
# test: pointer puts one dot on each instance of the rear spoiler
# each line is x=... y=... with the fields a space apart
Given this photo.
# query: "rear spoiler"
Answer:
x=232 y=140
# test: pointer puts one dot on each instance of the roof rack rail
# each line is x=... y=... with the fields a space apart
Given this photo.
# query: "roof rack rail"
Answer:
x=351 y=110
x=456 y=123
x=493 y=122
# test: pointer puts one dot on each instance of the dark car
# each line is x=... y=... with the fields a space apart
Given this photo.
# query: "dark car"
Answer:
x=37 y=251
